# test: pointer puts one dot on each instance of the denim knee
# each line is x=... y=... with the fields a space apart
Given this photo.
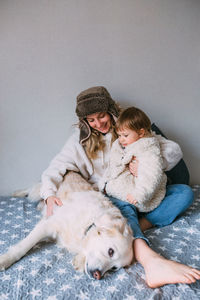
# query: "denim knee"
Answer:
x=129 y=211
x=177 y=199
x=190 y=194
x=187 y=195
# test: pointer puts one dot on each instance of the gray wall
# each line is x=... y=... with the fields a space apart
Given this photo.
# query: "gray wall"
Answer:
x=146 y=52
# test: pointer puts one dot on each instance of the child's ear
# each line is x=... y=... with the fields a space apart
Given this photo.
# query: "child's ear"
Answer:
x=141 y=132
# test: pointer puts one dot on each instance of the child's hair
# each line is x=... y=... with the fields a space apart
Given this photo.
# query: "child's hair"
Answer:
x=135 y=119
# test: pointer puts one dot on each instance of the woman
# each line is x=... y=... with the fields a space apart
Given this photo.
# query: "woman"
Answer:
x=87 y=152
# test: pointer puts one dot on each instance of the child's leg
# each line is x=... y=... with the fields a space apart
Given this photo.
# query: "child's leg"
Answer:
x=178 y=198
x=130 y=213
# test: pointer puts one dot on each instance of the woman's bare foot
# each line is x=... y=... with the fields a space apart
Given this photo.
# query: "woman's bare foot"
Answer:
x=144 y=224
x=160 y=271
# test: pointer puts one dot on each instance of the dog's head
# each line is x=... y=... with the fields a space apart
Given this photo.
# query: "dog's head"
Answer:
x=107 y=246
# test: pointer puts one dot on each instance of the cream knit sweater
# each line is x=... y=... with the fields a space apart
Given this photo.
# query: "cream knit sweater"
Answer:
x=149 y=187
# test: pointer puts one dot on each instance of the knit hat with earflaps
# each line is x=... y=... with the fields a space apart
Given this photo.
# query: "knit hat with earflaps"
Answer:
x=93 y=100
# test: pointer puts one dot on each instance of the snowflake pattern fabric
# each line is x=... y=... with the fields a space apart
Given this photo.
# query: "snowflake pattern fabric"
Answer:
x=46 y=272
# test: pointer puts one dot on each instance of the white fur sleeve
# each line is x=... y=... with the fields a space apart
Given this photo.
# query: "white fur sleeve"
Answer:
x=72 y=158
x=171 y=152
x=150 y=175
x=102 y=181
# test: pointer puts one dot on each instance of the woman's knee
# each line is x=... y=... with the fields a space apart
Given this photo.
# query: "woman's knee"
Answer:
x=183 y=191
x=178 y=199
x=187 y=195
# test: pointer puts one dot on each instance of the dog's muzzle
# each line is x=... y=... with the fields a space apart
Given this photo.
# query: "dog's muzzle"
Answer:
x=96 y=274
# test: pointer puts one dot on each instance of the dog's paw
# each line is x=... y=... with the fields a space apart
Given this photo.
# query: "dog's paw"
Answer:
x=79 y=262
x=40 y=205
x=5 y=262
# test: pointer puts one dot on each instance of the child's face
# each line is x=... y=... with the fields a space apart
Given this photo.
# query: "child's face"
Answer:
x=128 y=136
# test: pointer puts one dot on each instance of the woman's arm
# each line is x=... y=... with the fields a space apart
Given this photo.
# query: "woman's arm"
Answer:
x=53 y=175
x=72 y=157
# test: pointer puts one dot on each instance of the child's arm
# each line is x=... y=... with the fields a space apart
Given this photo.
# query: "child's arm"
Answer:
x=133 y=166
x=150 y=181
x=131 y=199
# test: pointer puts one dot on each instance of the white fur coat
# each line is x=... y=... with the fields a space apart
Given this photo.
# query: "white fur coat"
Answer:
x=149 y=187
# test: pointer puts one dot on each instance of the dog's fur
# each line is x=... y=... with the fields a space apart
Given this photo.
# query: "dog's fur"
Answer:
x=87 y=225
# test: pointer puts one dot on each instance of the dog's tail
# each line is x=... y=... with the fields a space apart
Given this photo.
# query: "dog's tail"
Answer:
x=32 y=193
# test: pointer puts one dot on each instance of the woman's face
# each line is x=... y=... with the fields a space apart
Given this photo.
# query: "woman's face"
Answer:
x=100 y=121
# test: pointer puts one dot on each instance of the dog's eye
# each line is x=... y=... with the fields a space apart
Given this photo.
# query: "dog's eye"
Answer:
x=110 y=252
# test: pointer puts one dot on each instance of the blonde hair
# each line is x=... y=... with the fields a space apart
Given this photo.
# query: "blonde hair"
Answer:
x=95 y=142
x=135 y=119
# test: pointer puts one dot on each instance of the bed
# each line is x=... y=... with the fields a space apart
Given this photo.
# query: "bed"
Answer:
x=46 y=272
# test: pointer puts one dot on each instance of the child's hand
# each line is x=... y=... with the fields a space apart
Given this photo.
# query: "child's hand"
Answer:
x=131 y=199
x=133 y=166
x=50 y=202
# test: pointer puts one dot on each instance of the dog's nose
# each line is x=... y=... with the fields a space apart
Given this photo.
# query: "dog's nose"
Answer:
x=96 y=274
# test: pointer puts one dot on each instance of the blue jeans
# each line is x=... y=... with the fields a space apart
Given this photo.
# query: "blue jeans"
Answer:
x=177 y=199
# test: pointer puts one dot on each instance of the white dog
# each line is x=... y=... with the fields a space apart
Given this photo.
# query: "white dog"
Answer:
x=87 y=225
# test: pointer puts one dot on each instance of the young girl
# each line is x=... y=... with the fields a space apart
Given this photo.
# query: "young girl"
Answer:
x=135 y=139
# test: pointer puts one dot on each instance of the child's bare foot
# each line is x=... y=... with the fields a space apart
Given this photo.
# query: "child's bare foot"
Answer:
x=160 y=271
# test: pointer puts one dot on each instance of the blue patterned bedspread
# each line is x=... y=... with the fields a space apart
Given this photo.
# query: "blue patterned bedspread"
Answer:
x=46 y=272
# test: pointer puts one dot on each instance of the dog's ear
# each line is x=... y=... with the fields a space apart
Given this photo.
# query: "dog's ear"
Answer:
x=109 y=220
x=127 y=231
x=115 y=221
x=123 y=227
x=79 y=262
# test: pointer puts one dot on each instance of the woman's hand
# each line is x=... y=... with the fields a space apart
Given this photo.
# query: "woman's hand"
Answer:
x=131 y=199
x=50 y=202
x=133 y=166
